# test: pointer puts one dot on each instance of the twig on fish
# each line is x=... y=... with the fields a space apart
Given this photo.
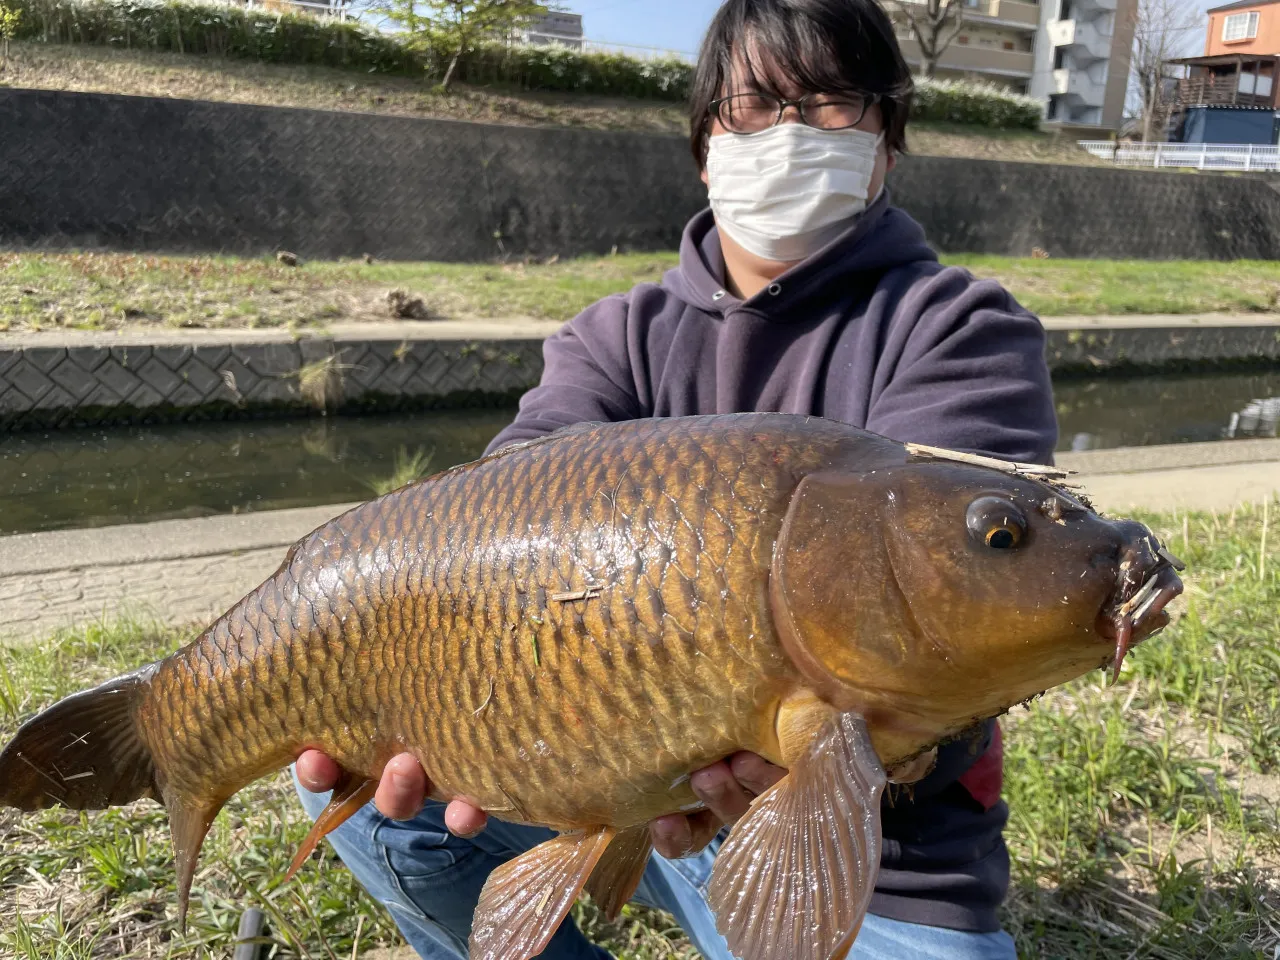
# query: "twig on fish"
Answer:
x=480 y=709
x=83 y=738
x=542 y=904
x=533 y=641
x=40 y=772
x=569 y=596
x=78 y=776
x=1007 y=466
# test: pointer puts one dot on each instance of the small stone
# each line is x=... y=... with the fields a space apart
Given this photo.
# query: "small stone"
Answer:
x=287 y=258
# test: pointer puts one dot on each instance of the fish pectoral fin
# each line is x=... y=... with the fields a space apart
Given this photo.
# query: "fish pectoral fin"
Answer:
x=621 y=867
x=795 y=875
x=524 y=900
x=349 y=795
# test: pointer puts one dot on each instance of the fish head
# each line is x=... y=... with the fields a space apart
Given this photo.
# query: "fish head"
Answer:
x=931 y=595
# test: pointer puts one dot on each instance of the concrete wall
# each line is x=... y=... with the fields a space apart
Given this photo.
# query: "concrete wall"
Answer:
x=136 y=173
x=78 y=378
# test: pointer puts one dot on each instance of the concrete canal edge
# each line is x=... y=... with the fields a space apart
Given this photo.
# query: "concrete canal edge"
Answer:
x=193 y=570
x=76 y=378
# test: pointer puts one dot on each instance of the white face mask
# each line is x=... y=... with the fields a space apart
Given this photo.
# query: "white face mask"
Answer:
x=786 y=192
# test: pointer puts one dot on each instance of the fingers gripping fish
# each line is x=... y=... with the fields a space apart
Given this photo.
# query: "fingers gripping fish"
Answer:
x=563 y=631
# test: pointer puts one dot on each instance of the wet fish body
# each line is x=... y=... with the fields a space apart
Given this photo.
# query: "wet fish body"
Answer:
x=563 y=631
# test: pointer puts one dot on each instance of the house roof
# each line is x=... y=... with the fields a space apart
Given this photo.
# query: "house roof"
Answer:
x=1240 y=5
x=1222 y=59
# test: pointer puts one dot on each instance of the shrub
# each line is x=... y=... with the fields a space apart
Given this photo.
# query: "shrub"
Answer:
x=977 y=104
x=273 y=37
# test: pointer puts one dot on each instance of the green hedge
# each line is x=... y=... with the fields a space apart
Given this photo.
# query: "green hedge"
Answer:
x=977 y=104
x=226 y=31
x=181 y=27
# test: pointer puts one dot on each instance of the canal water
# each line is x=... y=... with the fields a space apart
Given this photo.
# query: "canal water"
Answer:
x=94 y=477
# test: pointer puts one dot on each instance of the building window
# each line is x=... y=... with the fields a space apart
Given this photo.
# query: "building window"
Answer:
x=1008 y=44
x=1059 y=58
x=1240 y=26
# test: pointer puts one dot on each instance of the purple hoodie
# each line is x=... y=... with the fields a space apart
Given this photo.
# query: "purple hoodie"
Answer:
x=872 y=331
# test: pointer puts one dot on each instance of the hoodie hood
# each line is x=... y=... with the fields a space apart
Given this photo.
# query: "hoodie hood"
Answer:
x=882 y=238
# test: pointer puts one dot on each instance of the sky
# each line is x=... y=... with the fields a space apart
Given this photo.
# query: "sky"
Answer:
x=669 y=24
x=679 y=24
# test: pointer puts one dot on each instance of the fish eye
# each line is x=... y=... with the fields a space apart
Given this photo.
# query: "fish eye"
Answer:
x=996 y=523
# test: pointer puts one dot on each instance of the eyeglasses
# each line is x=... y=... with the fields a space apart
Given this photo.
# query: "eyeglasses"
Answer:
x=753 y=112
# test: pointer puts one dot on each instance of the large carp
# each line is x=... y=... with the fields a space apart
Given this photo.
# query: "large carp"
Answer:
x=561 y=632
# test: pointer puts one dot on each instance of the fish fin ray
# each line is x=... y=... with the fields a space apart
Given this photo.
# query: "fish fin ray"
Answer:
x=795 y=875
x=349 y=795
x=614 y=880
x=83 y=752
x=189 y=822
x=524 y=901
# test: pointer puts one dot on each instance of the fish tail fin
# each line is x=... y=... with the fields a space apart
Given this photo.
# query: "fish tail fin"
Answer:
x=84 y=752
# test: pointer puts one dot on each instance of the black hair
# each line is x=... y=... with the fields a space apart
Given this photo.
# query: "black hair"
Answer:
x=831 y=46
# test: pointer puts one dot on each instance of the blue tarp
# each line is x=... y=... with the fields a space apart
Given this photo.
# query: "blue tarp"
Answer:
x=1227 y=125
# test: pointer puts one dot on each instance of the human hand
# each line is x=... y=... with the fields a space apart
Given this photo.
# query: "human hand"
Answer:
x=401 y=791
x=727 y=788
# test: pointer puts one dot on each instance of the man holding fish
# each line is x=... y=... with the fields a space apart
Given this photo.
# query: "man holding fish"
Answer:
x=688 y=590
x=801 y=290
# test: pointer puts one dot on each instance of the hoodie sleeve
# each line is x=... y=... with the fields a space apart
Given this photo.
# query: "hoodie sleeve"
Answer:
x=963 y=367
x=586 y=376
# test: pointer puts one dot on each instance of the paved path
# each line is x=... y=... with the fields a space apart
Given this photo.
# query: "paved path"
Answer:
x=195 y=569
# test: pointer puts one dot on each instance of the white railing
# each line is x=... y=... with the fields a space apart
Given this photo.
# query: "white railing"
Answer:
x=1242 y=157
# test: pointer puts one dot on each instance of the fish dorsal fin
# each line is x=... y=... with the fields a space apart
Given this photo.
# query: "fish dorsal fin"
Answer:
x=620 y=870
x=524 y=901
x=796 y=874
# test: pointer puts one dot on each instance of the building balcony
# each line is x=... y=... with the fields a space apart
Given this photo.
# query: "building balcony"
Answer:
x=1085 y=42
x=1013 y=12
x=1220 y=91
x=1076 y=85
x=975 y=59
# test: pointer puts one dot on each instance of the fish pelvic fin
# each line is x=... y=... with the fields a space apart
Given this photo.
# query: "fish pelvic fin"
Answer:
x=620 y=870
x=795 y=875
x=525 y=900
x=84 y=752
x=349 y=795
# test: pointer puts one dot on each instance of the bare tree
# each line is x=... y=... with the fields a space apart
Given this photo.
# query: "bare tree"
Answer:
x=934 y=24
x=456 y=27
x=1160 y=33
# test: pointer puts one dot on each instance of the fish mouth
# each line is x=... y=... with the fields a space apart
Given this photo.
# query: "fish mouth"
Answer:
x=1149 y=582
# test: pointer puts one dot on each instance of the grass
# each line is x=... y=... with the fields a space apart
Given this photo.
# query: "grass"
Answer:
x=40 y=291
x=110 y=70
x=1144 y=822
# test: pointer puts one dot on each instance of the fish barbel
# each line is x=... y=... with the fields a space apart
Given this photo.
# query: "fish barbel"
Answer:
x=562 y=631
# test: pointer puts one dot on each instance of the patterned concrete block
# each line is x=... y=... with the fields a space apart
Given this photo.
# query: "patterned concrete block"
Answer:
x=79 y=382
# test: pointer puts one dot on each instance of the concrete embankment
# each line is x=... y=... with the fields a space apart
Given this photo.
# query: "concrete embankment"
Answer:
x=183 y=570
x=74 y=378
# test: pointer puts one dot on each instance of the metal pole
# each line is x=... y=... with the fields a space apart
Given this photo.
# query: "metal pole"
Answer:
x=252 y=922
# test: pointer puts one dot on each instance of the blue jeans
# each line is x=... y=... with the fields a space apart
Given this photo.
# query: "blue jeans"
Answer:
x=430 y=880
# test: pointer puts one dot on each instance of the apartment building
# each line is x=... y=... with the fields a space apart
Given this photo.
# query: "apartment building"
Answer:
x=1072 y=55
